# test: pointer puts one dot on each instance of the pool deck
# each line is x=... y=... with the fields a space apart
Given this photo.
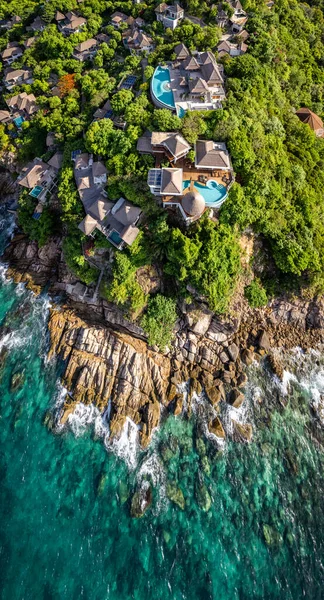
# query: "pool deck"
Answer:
x=191 y=172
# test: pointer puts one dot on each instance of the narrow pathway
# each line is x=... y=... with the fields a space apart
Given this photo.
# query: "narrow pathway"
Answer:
x=95 y=295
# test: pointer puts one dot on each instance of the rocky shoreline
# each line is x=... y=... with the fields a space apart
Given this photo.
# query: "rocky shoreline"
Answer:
x=107 y=358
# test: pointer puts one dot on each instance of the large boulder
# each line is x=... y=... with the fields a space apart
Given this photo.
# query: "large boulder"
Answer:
x=276 y=365
x=264 y=341
x=178 y=404
x=247 y=357
x=233 y=351
x=236 y=398
x=214 y=395
x=216 y=427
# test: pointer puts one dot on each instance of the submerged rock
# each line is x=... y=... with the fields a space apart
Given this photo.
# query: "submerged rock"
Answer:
x=141 y=500
x=123 y=492
x=175 y=494
x=272 y=536
x=205 y=466
x=202 y=496
x=201 y=447
x=242 y=432
x=49 y=420
x=17 y=380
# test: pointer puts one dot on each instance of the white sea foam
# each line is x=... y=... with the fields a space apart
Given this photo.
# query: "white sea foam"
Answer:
x=82 y=417
x=127 y=445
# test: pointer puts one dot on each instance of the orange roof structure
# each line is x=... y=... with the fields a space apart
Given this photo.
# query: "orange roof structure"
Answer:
x=305 y=115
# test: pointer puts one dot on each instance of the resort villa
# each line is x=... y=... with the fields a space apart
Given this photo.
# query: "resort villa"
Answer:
x=17 y=77
x=170 y=16
x=115 y=220
x=22 y=107
x=191 y=189
x=305 y=115
x=70 y=23
x=136 y=41
x=40 y=178
x=11 y=53
x=86 y=50
x=189 y=83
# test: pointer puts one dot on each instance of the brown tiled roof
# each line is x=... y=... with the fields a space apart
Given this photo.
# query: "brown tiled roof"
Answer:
x=33 y=173
x=23 y=101
x=144 y=144
x=15 y=74
x=81 y=161
x=4 y=115
x=176 y=144
x=29 y=42
x=59 y=16
x=98 y=169
x=172 y=141
x=307 y=116
x=243 y=35
x=181 y=51
x=209 y=155
x=75 y=22
x=129 y=234
x=171 y=181
x=211 y=74
x=11 y=51
x=100 y=209
x=84 y=183
x=56 y=160
x=198 y=86
x=161 y=8
x=88 y=225
x=127 y=213
x=86 y=45
x=190 y=64
x=193 y=203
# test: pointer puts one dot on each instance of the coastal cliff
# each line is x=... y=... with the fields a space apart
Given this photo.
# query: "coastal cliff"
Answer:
x=108 y=363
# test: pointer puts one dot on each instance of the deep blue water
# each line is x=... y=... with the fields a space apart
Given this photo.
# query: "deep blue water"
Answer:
x=65 y=525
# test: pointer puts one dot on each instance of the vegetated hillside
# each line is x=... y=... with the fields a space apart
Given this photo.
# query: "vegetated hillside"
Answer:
x=277 y=159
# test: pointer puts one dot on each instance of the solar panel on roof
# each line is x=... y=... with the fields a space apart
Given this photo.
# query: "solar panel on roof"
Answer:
x=154 y=177
x=108 y=114
x=75 y=153
x=128 y=82
x=37 y=216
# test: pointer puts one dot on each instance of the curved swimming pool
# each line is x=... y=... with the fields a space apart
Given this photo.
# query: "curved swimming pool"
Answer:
x=161 y=88
x=213 y=193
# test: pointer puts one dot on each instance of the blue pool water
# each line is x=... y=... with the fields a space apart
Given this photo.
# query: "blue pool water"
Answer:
x=160 y=87
x=181 y=112
x=18 y=121
x=114 y=238
x=213 y=193
x=36 y=191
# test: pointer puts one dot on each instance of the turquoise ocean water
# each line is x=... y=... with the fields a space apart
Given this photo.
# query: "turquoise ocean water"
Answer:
x=65 y=525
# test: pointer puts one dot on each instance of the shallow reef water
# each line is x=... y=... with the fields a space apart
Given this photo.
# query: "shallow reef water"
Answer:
x=231 y=521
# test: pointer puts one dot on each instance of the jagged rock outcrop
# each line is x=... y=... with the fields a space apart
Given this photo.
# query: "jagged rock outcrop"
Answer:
x=107 y=357
x=33 y=265
x=102 y=365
